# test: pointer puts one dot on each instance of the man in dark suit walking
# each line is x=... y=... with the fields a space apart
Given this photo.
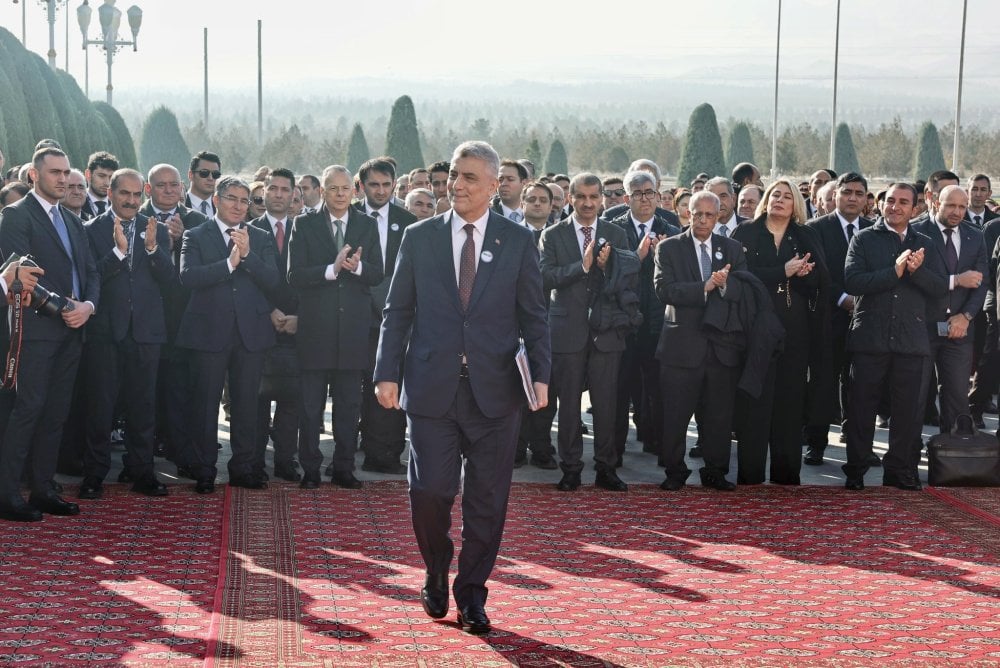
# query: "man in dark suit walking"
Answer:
x=383 y=431
x=962 y=252
x=124 y=337
x=699 y=366
x=165 y=190
x=574 y=256
x=835 y=231
x=230 y=269
x=52 y=344
x=639 y=376
x=468 y=286
x=334 y=260
x=284 y=430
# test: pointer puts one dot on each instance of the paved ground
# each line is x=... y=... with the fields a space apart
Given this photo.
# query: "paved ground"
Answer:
x=638 y=467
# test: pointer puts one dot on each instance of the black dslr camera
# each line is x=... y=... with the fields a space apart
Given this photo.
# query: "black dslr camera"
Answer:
x=42 y=301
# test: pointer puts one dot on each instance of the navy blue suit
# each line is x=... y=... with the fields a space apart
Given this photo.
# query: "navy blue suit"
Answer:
x=452 y=413
x=123 y=344
x=227 y=326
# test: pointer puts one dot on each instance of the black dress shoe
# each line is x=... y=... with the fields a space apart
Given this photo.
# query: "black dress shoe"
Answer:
x=310 y=481
x=53 y=504
x=520 y=459
x=569 y=482
x=204 y=486
x=814 y=456
x=991 y=408
x=977 y=419
x=873 y=461
x=346 y=480
x=695 y=452
x=287 y=472
x=473 y=619
x=546 y=462
x=610 y=481
x=434 y=595
x=388 y=468
x=329 y=470
x=150 y=486
x=671 y=485
x=91 y=488
x=185 y=472
x=125 y=476
x=15 y=509
x=248 y=481
x=717 y=482
x=907 y=481
x=160 y=450
x=855 y=483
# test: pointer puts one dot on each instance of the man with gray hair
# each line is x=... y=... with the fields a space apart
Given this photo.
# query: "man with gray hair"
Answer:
x=420 y=202
x=728 y=218
x=700 y=366
x=466 y=287
x=644 y=165
x=230 y=268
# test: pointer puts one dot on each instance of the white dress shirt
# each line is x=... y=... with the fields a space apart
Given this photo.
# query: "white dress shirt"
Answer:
x=382 y=216
x=730 y=226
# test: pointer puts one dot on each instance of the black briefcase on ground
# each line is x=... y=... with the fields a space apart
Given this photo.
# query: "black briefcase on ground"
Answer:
x=965 y=457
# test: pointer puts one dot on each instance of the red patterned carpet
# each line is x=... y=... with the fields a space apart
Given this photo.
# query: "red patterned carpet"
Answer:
x=764 y=576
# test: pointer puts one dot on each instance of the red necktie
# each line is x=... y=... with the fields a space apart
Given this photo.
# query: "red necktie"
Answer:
x=588 y=236
x=467 y=267
x=279 y=235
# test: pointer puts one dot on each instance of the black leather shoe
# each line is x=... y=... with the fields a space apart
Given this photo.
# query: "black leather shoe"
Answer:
x=977 y=419
x=520 y=459
x=309 y=481
x=388 y=468
x=346 y=480
x=91 y=488
x=15 y=509
x=287 y=472
x=671 y=485
x=160 y=450
x=991 y=408
x=150 y=486
x=695 y=452
x=204 y=486
x=610 y=481
x=717 y=482
x=248 y=481
x=907 y=481
x=434 y=595
x=547 y=463
x=814 y=456
x=53 y=504
x=185 y=472
x=873 y=461
x=329 y=470
x=473 y=619
x=125 y=476
x=855 y=483
x=569 y=482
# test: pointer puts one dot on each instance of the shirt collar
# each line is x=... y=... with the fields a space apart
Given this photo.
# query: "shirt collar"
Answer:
x=844 y=222
x=272 y=221
x=458 y=223
x=383 y=212
x=159 y=211
x=46 y=205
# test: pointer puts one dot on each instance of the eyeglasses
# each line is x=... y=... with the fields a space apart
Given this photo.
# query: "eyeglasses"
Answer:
x=233 y=199
x=205 y=173
x=645 y=194
x=620 y=192
x=259 y=201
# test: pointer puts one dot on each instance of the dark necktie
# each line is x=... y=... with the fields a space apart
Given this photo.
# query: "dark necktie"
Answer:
x=338 y=234
x=204 y=207
x=706 y=262
x=467 y=267
x=231 y=244
x=102 y=206
x=588 y=235
x=279 y=236
x=63 y=233
x=950 y=252
x=850 y=232
x=127 y=226
x=162 y=216
x=723 y=230
x=978 y=220
x=642 y=232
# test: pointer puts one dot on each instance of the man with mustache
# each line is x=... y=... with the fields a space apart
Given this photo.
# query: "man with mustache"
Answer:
x=124 y=337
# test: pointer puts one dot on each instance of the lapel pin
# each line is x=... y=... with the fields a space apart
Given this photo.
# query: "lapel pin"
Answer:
x=718 y=254
x=487 y=256
x=394 y=227
x=496 y=241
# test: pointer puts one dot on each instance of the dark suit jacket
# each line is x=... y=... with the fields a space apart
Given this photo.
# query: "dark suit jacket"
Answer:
x=88 y=211
x=649 y=304
x=684 y=341
x=187 y=203
x=25 y=228
x=972 y=257
x=223 y=301
x=175 y=295
x=506 y=305
x=619 y=209
x=399 y=219
x=334 y=316
x=284 y=297
x=834 y=242
x=987 y=217
x=130 y=297
x=890 y=315
x=572 y=289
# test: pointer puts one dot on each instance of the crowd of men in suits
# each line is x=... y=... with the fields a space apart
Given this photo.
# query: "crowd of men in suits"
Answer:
x=179 y=299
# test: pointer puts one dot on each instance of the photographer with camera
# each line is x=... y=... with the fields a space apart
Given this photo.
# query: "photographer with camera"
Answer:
x=52 y=338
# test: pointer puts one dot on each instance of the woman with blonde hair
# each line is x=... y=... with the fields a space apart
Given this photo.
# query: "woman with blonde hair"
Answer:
x=787 y=257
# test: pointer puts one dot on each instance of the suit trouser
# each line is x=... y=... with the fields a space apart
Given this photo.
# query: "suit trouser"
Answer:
x=817 y=434
x=710 y=387
x=46 y=373
x=284 y=430
x=383 y=430
x=871 y=375
x=639 y=382
x=175 y=390
x=127 y=369
x=952 y=358
x=210 y=371
x=570 y=372
x=536 y=432
x=345 y=386
x=987 y=378
x=438 y=447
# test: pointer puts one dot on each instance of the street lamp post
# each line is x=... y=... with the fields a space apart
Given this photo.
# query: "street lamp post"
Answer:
x=110 y=18
x=51 y=7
